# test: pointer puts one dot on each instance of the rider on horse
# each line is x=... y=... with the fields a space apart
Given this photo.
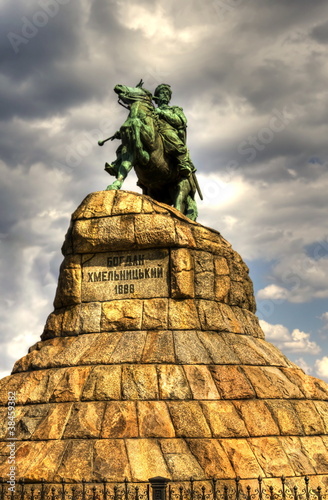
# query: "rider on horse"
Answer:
x=154 y=144
x=172 y=127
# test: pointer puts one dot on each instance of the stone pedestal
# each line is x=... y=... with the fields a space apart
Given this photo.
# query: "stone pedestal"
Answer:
x=153 y=362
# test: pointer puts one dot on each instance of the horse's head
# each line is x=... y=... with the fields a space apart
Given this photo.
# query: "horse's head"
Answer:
x=130 y=95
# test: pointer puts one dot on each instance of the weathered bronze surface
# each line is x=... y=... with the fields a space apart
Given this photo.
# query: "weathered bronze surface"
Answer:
x=153 y=141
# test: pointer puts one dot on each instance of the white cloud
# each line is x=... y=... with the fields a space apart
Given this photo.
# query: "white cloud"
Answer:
x=273 y=292
x=293 y=342
x=321 y=367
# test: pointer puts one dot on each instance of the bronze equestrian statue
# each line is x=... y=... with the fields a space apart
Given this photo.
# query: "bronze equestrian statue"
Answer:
x=153 y=141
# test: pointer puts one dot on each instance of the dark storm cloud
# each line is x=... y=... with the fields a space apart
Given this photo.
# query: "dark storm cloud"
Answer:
x=320 y=33
x=53 y=70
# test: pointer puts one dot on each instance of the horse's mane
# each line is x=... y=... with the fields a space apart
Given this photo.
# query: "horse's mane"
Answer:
x=147 y=92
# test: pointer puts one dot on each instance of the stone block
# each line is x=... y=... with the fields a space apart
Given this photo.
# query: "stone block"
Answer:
x=322 y=409
x=183 y=315
x=130 y=347
x=211 y=457
x=238 y=269
x=232 y=382
x=53 y=326
x=218 y=350
x=74 y=350
x=221 y=267
x=151 y=206
x=77 y=461
x=268 y=352
x=173 y=383
x=221 y=288
x=11 y=383
x=154 y=420
x=297 y=456
x=317 y=452
x=103 y=234
x=126 y=202
x=208 y=239
x=27 y=419
x=103 y=383
x=125 y=314
x=38 y=386
x=242 y=458
x=67 y=247
x=285 y=415
x=70 y=385
x=184 y=236
x=25 y=453
x=204 y=285
x=152 y=463
x=210 y=316
x=182 y=274
x=251 y=324
x=85 y=420
x=265 y=448
x=159 y=348
x=201 y=382
x=237 y=295
x=98 y=204
x=44 y=463
x=223 y=419
x=281 y=383
x=235 y=326
x=49 y=354
x=69 y=282
x=310 y=387
x=204 y=275
x=154 y=230
x=90 y=317
x=102 y=346
x=120 y=420
x=257 y=418
x=110 y=460
x=155 y=314
x=180 y=460
x=189 y=349
x=4 y=430
x=71 y=320
x=249 y=290
x=139 y=382
x=53 y=425
x=309 y=417
x=188 y=419
x=244 y=349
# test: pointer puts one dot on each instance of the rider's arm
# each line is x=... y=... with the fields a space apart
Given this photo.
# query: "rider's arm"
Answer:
x=173 y=115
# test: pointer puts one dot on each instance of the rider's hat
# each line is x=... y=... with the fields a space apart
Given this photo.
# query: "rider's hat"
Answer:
x=162 y=86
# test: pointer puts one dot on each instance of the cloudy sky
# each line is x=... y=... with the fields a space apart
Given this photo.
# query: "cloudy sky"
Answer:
x=251 y=76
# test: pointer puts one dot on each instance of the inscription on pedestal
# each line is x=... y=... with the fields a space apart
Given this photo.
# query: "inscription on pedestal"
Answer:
x=135 y=274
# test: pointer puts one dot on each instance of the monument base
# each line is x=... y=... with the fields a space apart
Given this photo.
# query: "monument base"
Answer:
x=153 y=362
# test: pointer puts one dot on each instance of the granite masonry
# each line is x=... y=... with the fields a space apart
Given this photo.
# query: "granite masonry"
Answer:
x=153 y=362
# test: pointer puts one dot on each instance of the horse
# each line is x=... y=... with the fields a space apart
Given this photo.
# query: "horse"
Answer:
x=143 y=149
